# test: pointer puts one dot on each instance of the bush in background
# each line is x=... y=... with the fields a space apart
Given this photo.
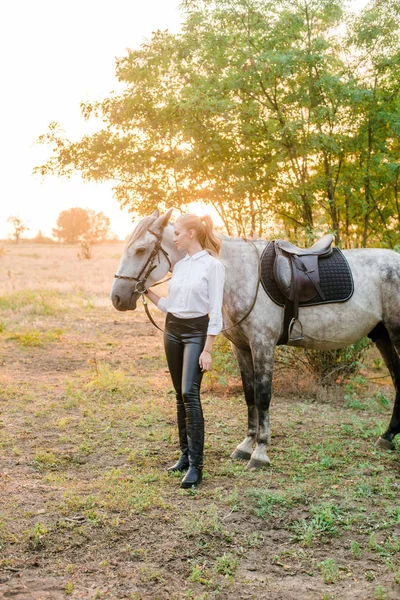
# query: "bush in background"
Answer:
x=328 y=367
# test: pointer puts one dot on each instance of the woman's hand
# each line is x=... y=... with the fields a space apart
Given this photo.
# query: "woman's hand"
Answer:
x=205 y=361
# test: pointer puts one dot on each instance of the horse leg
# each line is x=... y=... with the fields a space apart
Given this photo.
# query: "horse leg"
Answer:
x=243 y=451
x=389 y=347
x=263 y=365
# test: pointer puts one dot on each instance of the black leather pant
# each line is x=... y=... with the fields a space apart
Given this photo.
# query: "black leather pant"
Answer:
x=184 y=340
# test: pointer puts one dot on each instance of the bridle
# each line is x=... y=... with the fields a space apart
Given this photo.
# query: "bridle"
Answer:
x=140 y=287
x=148 y=268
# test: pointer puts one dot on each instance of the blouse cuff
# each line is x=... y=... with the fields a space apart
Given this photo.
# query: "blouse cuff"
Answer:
x=213 y=330
x=162 y=305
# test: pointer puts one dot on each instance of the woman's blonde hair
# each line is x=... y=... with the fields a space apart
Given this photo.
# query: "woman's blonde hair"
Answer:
x=203 y=226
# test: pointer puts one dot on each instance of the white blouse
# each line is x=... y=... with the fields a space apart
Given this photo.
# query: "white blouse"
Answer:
x=196 y=289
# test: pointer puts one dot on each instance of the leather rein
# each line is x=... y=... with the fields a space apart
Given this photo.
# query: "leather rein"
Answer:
x=140 y=287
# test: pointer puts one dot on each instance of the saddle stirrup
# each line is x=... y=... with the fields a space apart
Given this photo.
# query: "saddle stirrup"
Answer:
x=290 y=329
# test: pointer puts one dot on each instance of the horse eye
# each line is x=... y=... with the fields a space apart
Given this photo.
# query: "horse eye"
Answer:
x=140 y=250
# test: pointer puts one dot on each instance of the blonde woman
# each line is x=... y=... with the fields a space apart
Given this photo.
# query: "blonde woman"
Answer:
x=194 y=319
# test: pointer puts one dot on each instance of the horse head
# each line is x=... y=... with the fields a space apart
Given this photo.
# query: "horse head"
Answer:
x=148 y=255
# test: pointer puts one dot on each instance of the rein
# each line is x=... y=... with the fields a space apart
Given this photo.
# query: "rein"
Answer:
x=257 y=288
x=141 y=289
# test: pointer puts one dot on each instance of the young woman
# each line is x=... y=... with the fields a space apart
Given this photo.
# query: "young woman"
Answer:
x=194 y=319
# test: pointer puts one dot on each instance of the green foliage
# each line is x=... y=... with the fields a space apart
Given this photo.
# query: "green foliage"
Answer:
x=329 y=366
x=207 y=523
x=32 y=302
x=108 y=383
x=224 y=364
x=329 y=570
x=325 y=522
x=36 y=536
x=131 y=492
x=69 y=588
x=263 y=113
x=380 y=593
x=34 y=337
x=226 y=564
x=197 y=573
x=267 y=502
x=356 y=549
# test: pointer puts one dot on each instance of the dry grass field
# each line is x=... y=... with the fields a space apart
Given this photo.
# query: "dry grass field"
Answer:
x=87 y=430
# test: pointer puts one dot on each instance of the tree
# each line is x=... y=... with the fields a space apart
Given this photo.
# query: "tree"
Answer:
x=286 y=110
x=79 y=224
x=99 y=228
x=19 y=228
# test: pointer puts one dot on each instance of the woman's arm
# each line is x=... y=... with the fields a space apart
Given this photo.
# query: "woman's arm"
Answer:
x=205 y=356
x=157 y=300
x=216 y=280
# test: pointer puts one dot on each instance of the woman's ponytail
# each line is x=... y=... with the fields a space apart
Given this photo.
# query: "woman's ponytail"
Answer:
x=203 y=227
x=211 y=242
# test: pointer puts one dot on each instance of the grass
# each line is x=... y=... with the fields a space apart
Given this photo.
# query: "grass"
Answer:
x=88 y=429
x=34 y=337
x=329 y=570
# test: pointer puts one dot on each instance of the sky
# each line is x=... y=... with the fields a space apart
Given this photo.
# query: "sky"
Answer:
x=54 y=54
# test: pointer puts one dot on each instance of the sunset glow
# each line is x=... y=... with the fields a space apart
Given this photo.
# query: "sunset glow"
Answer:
x=58 y=55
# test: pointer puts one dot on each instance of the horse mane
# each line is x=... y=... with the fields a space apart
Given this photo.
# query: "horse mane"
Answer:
x=140 y=228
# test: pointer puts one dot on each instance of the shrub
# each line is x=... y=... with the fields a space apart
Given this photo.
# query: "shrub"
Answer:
x=327 y=366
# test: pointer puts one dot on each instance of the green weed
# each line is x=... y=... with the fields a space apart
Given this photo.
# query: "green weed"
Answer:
x=329 y=570
x=132 y=491
x=150 y=574
x=69 y=588
x=108 y=383
x=267 y=502
x=226 y=565
x=34 y=337
x=197 y=574
x=5 y=536
x=36 y=536
x=380 y=593
x=325 y=522
x=32 y=302
x=381 y=399
x=45 y=460
x=205 y=523
x=356 y=549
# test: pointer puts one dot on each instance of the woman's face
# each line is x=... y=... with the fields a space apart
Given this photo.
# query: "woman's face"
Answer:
x=182 y=237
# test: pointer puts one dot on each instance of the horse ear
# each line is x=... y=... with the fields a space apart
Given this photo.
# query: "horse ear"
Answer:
x=163 y=220
x=156 y=213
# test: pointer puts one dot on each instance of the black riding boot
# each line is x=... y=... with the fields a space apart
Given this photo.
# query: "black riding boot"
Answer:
x=183 y=462
x=196 y=445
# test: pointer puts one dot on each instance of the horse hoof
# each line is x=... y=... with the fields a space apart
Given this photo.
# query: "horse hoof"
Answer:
x=384 y=444
x=255 y=464
x=240 y=455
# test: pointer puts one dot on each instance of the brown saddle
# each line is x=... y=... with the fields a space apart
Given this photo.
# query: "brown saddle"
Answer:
x=296 y=273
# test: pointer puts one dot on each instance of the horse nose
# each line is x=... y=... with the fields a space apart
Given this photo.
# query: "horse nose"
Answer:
x=116 y=300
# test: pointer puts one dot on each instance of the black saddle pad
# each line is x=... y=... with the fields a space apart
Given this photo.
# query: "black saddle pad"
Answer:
x=336 y=280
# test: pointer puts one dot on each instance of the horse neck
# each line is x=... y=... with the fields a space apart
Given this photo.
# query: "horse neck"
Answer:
x=232 y=248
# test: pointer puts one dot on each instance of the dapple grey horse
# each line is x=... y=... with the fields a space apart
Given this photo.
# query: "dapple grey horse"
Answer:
x=373 y=309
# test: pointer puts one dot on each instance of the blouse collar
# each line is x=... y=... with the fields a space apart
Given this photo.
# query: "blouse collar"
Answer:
x=196 y=256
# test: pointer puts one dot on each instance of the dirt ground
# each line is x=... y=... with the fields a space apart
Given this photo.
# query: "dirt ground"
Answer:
x=87 y=430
